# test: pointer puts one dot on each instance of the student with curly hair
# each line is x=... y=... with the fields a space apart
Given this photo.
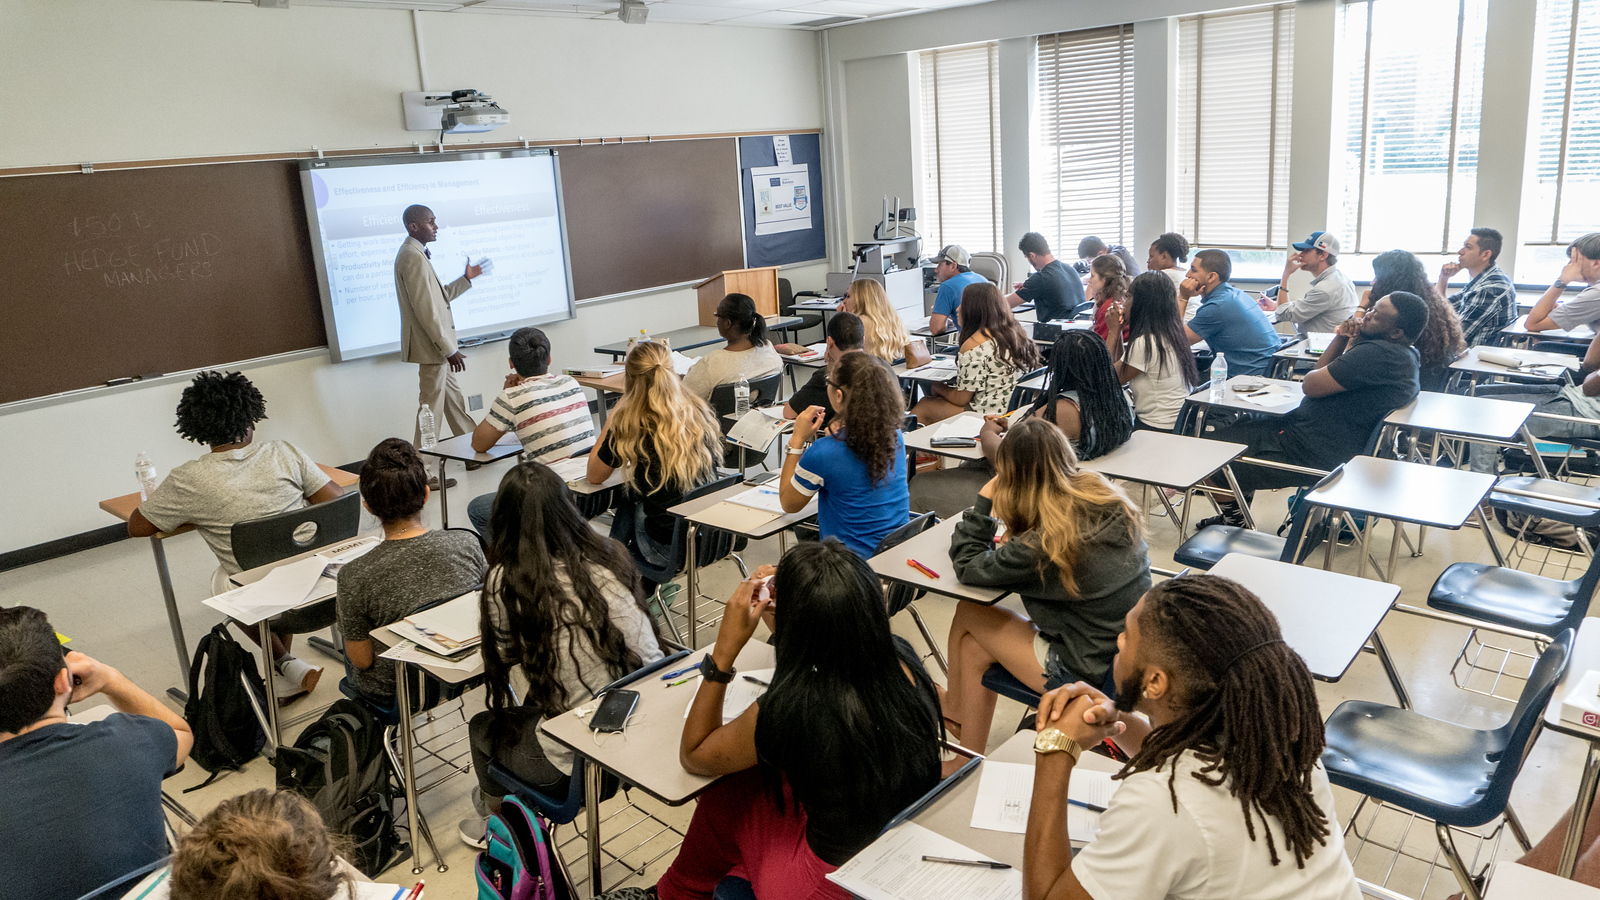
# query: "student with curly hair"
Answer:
x=859 y=470
x=1442 y=340
x=261 y=844
x=240 y=479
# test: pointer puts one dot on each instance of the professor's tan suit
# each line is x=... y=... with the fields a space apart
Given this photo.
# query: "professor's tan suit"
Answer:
x=428 y=337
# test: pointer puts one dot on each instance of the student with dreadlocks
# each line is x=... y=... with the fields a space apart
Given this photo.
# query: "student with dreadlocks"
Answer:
x=1224 y=796
x=240 y=479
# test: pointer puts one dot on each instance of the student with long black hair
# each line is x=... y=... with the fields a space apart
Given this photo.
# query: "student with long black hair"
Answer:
x=1155 y=361
x=748 y=352
x=846 y=737
x=994 y=355
x=564 y=607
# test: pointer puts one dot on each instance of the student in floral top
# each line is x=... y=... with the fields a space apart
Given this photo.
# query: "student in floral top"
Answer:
x=995 y=353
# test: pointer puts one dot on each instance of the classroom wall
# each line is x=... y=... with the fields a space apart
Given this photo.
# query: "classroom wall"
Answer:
x=175 y=79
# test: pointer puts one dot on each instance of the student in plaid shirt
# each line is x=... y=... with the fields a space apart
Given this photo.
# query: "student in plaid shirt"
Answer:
x=1489 y=301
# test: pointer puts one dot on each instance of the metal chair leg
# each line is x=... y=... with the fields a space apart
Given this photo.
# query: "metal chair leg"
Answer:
x=666 y=616
x=1517 y=831
x=1447 y=844
x=938 y=655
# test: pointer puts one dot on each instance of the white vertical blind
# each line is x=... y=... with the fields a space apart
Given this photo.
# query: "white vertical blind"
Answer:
x=1561 y=199
x=961 y=148
x=1235 y=79
x=1083 y=161
x=1408 y=163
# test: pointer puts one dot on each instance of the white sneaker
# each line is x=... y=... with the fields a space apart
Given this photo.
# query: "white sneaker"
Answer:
x=474 y=831
x=295 y=677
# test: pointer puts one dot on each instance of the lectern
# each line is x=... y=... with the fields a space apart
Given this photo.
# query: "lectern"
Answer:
x=760 y=283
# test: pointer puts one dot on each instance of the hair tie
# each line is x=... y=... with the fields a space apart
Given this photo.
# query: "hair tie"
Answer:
x=1229 y=667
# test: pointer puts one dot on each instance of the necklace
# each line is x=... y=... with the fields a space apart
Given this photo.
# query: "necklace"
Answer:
x=404 y=532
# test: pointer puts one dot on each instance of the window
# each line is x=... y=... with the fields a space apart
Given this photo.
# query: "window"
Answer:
x=1412 y=86
x=1561 y=197
x=961 y=148
x=1083 y=147
x=1234 y=84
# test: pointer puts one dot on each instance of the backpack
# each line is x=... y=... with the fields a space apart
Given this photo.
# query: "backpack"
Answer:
x=227 y=699
x=516 y=866
x=339 y=764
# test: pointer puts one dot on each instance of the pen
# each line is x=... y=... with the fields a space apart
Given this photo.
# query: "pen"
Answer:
x=1089 y=806
x=681 y=681
x=976 y=863
x=682 y=671
x=415 y=892
x=922 y=568
x=754 y=680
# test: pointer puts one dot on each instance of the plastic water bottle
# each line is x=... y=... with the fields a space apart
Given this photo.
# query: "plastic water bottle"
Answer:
x=145 y=471
x=425 y=424
x=741 y=396
x=644 y=335
x=1219 y=374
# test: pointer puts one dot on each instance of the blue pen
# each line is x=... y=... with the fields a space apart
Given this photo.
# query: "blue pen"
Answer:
x=683 y=671
x=1089 y=806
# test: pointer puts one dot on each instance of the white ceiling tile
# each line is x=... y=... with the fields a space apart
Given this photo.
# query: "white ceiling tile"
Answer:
x=775 y=17
x=848 y=8
x=747 y=6
x=692 y=13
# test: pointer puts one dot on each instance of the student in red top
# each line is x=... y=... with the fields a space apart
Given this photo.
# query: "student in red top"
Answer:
x=1108 y=284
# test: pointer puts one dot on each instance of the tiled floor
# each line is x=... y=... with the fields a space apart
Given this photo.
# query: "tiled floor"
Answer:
x=108 y=601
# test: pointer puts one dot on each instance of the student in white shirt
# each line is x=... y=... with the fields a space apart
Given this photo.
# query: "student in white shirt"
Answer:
x=749 y=351
x=1331 y=298
x=1167 y=255
x=1156 y=363
x=1225 y=796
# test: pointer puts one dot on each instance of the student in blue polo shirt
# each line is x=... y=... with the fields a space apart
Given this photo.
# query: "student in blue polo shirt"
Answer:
x=1229 y=322
x=954 y=276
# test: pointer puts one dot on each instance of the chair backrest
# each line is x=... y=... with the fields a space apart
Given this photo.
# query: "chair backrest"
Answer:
x=992 y=266
x=271 y=538
x=785 y=296
x=1584 y=595
x=1515 y=734
x=897 y=596
x=117 y=886
x=763 y=392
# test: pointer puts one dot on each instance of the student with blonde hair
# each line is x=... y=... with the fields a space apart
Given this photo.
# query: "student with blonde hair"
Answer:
x=1074 y=549
x=887 y=336
x=260 y=844
x=667 y=443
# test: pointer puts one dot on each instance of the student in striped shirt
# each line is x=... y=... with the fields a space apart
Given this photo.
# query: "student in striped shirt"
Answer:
x=546 y=409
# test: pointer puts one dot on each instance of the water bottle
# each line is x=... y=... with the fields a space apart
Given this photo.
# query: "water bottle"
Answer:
x=145 y=471
x=741 y=396
x=425 y=424
x=644 y=335
x=1219 y=374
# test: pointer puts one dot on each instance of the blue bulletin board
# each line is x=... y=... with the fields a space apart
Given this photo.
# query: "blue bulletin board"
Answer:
x=783 y=220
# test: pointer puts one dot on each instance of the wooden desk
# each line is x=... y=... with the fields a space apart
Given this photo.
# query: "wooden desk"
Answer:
x=610 y=384
x=460 y=448
x=692 y=337
x=122 y=507
x=1175 y=461
x=646 y=754
x=1585 y=656
x=1231 y=399
x=921 y=439
x=932 y=549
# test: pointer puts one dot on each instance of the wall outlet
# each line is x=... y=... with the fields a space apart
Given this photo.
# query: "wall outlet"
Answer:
x=474 y=402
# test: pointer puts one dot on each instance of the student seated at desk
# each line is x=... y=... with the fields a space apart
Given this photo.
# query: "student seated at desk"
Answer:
x=411 y=567
x=562 y=606
x=239 y=480
x=885 y=335
x=845 y=738
x=667 y=443
x=1155 y=361
x=749 y=352
x=546 y=409
x=858 y=471
x=81 y=803
x=1441 y=341
x=1583 y=267
x=845 y=335
x=1074 y=549
x=1167 y=255
x=1108 y=284
x=260 y=844
x=995 y=353
x=1231 y=752
x=1054 y=288
x=1367 y=372
x=1229 y=322
x=953 y=274
x=1581 y=399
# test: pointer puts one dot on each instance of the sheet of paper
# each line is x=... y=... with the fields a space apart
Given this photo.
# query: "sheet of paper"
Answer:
x=892 y=868
x=370 y=891
x=282 y=589
x=456 y=621
x=782 y=198
x=939 y=369
x=1093 y=787
x=738 y=518
x=1271 y=395
x=739 y=695
x=405 y=651
x=681 y=364
x=966 y=425
x=1005 y=791
x=758 y=428
x=570 y=470
x=764 y=496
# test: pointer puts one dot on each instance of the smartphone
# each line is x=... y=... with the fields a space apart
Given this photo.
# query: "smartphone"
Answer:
x=1271 y=293
x=1245 y=387
x=953 y=442
x=612 y=716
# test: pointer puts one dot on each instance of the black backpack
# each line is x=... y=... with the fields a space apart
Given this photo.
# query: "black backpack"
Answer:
x=338 y=763
x=226 y=700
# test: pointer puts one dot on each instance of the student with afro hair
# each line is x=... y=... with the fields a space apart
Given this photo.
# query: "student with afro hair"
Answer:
x=240 y=479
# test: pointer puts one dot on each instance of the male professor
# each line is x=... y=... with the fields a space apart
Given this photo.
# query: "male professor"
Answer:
x=427 y=330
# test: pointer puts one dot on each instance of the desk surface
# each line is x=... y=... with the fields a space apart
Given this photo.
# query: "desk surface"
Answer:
x=1585 y=656
x=920 y=439
x=951 y=814
x=1035 y=383
x=1549 y=365
x=1409 y=492
x=582 y=485
x=1515 y=882
x=1165 y=459
x=1232 y=399
x=712 y=510
x=123 y=507
x=932 y=549
x=827 y=304
x=443 y=673
x=1326 y=617
x=1463 y=415
x=1519 y=328
x=692 y=337
x=646 y=754
x=460 y=448
x=614 y=383
x=938 y=374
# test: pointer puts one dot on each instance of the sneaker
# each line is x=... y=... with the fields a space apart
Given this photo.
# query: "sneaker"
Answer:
x=297 y=676
x=1229 y=516
x=433 y=483
x=474 y=831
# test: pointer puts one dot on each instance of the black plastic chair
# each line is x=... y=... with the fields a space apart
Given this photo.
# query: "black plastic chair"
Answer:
x=1456 y=776
x=763 y=392
x=898 y=596
x=117 y=886
x=1209 y=545
x=260 y=542
x=711 y=546
x=786 y=307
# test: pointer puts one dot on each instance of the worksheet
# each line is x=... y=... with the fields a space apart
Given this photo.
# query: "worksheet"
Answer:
x=892 y=868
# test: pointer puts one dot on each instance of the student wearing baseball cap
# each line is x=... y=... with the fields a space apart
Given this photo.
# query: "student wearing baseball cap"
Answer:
x=1331 y=298
x=954 y=276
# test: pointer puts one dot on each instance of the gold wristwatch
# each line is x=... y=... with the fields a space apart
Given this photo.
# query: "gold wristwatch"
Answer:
x=1054 y=740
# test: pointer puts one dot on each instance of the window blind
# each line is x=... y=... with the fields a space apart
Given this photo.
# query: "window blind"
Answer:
x=1562 y=193
x=1083 y=171
x=961 y=148
x=1413 y=89
x=1235 y=79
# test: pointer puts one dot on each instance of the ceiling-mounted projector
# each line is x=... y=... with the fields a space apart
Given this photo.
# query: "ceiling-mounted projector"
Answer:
x=634 y=12
x=456 y=112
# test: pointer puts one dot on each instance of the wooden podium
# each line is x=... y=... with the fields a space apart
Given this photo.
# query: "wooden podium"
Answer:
x=760 y=283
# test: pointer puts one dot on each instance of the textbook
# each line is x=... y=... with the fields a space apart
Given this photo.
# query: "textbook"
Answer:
x=593 y=371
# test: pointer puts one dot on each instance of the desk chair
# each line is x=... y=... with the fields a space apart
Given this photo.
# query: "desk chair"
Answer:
x=585 y=777
x=763 y=392
x=117 y=886
x=1457 y=777
x=992 y=266
x=259 y=542
x=898 y=596
x=786 y=297
x=1209 y=545
x=710 y=545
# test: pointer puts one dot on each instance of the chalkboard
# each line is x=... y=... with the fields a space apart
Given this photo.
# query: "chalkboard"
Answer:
x=147 y=271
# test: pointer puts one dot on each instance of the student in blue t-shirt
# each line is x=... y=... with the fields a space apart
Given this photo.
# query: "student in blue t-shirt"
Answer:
x=1229 y=322
x=859 y=469
x=954 y=276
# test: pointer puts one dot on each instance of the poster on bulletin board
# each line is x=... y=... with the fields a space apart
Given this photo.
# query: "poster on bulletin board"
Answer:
x=781 y=179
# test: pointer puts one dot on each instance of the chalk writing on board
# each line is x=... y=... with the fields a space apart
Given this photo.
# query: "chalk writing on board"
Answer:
x=124 y=248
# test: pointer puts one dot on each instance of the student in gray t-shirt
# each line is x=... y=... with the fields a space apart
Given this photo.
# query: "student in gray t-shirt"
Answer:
x=1583 y=267
x=413 y=566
